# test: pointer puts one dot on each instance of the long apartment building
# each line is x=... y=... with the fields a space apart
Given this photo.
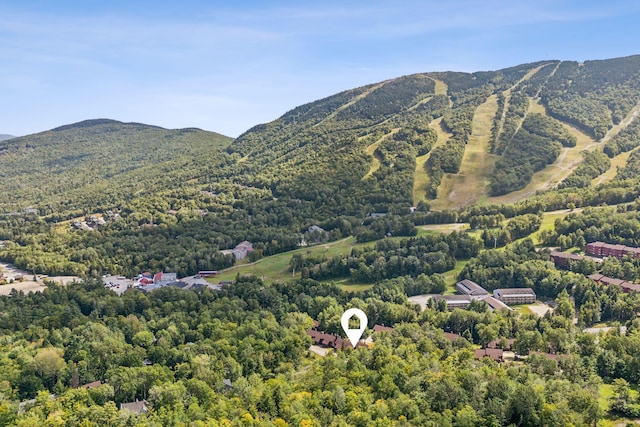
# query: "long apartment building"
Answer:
x=603 y=249
x=515 y=295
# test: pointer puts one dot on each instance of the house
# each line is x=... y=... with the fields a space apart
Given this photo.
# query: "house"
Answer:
x=324 y=339
x=317 y=234
x=380 y=328
x=633 y=252
x=497 y=343
x=377 y=215
x=472 y=289
x=451 y=336
x=495 y=354
x=242 y=249
x=563 y=259
x=94 y=384
x=138 y=407
x=165 y=277
x=512 y=296
x=207 y=273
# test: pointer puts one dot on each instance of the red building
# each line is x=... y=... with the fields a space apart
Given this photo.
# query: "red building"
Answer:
x=603 y=249
x=562 y=259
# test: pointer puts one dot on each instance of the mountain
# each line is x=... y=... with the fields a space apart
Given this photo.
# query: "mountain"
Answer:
x=448 y=138
x=94 y=162
x=440 y=140
x=5 y=136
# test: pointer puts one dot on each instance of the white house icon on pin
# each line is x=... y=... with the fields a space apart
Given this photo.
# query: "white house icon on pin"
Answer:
x=354 y=335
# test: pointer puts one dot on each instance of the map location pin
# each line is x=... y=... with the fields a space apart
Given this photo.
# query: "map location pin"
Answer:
x=354 y=334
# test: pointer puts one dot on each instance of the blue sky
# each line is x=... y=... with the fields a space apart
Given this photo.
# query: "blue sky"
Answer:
x=226 y=66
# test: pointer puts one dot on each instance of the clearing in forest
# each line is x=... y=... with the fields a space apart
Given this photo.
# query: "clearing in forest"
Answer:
x=421 y=177
x=371 y=150
x=567 y=162
x=471 y=182
x=619 y=161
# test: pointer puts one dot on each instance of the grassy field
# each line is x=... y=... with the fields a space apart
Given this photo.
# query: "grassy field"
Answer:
x=452 y=277
x=441 y=87
x=619 y=161
x=548 y=221
x=605 y=392
x=471 y=182
x=370 y=150
x=276 y=267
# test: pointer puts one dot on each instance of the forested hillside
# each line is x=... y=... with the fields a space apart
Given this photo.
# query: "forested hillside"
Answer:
x=377 y=149
x=97 y=163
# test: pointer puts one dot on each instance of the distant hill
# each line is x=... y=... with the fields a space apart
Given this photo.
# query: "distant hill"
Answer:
x=5 y=136
x=95 y=161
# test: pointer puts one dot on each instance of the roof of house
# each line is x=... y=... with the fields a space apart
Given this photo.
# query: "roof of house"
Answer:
x=611 y=281
x=453 y=298
x=137 y=407
x=244 y=244
x=495 y=304
x=471 y=288
x=380 y=328
x=495 y=354
x=497 y=343
x=564 y=255
x=91 y=385
x=451 y=336
x=630 y=286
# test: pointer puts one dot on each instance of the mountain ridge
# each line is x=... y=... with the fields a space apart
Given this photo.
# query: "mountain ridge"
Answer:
x=402 y=141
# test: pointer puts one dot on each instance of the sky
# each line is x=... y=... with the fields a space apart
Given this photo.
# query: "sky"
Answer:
x=226 y=66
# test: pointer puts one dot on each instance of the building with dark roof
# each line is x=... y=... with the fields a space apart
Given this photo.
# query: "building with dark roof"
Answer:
x=451 y=336
x=564 y=259
x=609 y=281
x=472 y=289
x=495 y=354
x=495 y=304
x=89 y=386
x=454 y=301
x=603 y=249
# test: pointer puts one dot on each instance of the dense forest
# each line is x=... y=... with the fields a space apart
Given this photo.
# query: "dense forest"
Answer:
x=176 y=349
